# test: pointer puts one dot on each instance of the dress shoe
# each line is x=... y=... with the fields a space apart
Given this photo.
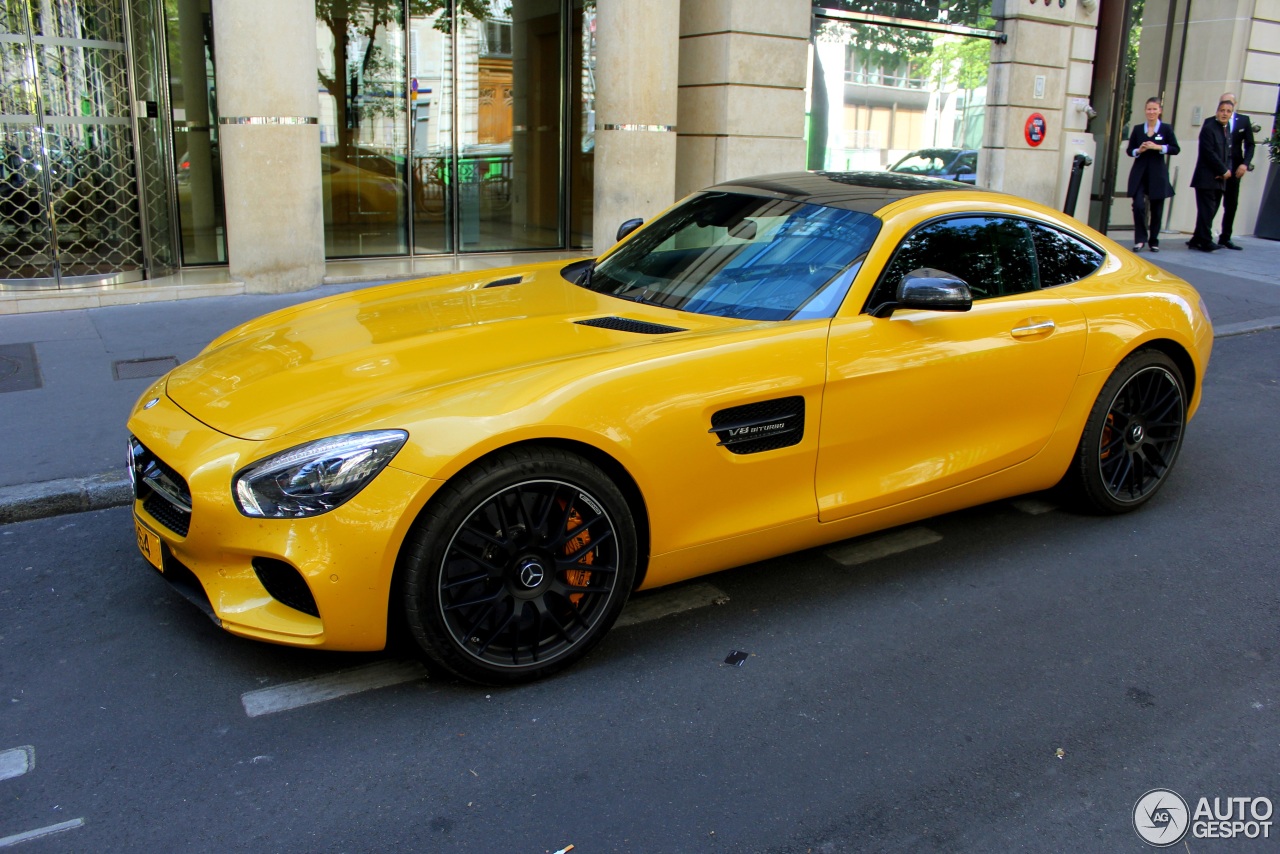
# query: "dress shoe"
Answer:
x=1202 y=246
x=1227 y=244
x=1155 y=248
x=1137 y=247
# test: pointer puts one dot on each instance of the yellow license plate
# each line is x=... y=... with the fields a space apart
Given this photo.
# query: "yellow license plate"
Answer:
x=149 y=545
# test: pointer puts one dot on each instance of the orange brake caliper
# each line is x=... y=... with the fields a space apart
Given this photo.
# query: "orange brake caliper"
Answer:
x=578 y=577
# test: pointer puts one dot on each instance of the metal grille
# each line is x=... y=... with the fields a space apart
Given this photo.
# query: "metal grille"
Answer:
x=626 y=324
x=68 y=195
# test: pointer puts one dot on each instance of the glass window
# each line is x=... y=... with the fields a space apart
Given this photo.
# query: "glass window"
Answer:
x=197 y=161
x=431 y=125
x=734 y=255
x=879 y=94
x=510 y=151
x=1063 y=258
x=994 y=255
x=582 y=118
x=364 y=136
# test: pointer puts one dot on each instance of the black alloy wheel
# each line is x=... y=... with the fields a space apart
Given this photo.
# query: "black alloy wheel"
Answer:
x=1133 y=435
x=519 y=567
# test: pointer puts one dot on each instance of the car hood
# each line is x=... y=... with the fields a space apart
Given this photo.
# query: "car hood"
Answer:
x=293 y=369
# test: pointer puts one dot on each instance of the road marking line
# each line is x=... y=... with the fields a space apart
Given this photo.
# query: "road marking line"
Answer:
x=865 y=551
x=44 y=831
x=667 y=602
x=17 y=761
x=383 y=674
x=1033 y=506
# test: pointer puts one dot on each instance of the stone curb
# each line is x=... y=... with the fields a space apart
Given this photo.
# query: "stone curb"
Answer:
x=69 y=495
x=1227 y=330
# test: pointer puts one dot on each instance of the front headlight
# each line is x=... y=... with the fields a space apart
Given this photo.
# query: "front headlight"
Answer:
x=316 y=477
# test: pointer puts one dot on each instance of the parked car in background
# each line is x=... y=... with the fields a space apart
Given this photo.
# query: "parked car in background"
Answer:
x=953 y=164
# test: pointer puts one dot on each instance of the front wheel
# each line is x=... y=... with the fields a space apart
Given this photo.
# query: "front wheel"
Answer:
x=519 y=566
x=1133 y=435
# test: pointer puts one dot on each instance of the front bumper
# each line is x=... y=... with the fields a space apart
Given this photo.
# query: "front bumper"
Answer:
x=338 y=566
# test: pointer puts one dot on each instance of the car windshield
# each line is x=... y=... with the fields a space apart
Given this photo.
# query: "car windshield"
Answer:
x=735 y=255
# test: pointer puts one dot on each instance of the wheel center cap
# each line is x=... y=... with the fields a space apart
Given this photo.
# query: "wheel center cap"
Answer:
x=531 y=573
x=1136 y=433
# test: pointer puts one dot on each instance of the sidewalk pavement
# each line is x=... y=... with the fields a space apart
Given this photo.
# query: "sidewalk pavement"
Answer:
x=68 y=379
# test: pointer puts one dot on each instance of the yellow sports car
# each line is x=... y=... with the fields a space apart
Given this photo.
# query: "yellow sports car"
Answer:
x=494 y=462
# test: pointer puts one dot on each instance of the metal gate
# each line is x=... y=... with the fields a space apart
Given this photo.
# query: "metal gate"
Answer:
x=69 y=208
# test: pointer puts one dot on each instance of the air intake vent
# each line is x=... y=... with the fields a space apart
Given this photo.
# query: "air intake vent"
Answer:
x=509 y=280
x=626 y=324
x=764 y=426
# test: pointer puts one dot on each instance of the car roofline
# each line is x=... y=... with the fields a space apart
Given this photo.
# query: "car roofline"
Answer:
x=864 y=192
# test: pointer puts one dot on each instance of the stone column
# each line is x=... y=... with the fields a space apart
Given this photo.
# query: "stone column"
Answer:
x=742 y=77
x=270 y=142
x=636 y=78
x=1043 y=71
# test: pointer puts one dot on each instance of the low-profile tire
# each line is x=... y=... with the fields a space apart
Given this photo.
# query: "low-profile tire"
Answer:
x=1133 y=435
x=518 y=567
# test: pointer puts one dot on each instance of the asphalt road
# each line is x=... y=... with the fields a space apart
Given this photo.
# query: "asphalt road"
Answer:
x=1016 y=681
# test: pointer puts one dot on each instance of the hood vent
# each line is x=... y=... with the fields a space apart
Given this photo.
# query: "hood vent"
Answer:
x=626 y=324
x=509 y=280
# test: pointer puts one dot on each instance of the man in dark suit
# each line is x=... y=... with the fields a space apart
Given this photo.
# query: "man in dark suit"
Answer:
x=1241 y=161
x=1213 y=168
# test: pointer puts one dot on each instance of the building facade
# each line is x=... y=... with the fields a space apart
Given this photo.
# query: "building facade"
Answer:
x=264 y=143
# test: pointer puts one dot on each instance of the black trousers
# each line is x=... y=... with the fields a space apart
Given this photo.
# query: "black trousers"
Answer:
x=1230 y=201
x=1207 y=203
x=1142 y=233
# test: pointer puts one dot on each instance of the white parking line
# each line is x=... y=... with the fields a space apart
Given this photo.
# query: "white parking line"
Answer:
x=1033 y=506
x=383 y=674
x=865 y=551
x=17 y=761
x=281 y=698
x=655 y=606
x=9 y=841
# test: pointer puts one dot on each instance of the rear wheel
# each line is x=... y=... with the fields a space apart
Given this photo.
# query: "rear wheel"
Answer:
x=519 y=566
x=1133 y=435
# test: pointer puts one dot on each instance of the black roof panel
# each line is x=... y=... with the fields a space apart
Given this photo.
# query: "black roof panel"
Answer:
x=866 y=192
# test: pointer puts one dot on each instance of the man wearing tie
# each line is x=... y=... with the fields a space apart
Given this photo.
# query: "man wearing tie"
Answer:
x=1241 y=128
x=1213 y=168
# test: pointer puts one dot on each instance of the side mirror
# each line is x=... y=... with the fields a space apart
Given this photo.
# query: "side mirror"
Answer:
x=929 y=290
x=628 y=227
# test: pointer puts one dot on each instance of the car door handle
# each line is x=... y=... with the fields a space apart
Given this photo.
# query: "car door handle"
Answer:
x=1033 y=326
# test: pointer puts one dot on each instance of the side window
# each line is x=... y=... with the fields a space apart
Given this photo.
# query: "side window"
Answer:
x=1062 y=258
x=994 y=255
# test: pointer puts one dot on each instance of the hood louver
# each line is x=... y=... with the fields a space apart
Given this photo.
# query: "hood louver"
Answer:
x=626 y=324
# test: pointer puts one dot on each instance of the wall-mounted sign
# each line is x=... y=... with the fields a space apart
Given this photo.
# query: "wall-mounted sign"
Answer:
x=1036 y=129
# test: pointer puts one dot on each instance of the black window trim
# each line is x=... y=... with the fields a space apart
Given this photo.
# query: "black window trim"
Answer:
x=867 y=308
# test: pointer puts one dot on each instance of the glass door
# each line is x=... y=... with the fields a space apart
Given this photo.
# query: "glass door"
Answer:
x=69 y=209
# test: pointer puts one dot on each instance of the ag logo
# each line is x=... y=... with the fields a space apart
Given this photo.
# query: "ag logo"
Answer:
x=1161 y=818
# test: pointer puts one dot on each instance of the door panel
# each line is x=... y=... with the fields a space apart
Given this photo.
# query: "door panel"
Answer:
x=924 y=401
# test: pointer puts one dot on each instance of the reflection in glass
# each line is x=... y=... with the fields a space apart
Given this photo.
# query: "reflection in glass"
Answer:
x=582 y=117
x=364 y=137
x=197 y=163
x=880 y=93
x=510 y=155
x=431 y=124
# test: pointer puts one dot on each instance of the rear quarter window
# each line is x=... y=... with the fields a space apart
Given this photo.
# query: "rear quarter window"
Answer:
x=1062 y=258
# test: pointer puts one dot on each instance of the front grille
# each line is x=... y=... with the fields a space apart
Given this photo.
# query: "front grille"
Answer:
x=163 y=492
x=174 y=518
